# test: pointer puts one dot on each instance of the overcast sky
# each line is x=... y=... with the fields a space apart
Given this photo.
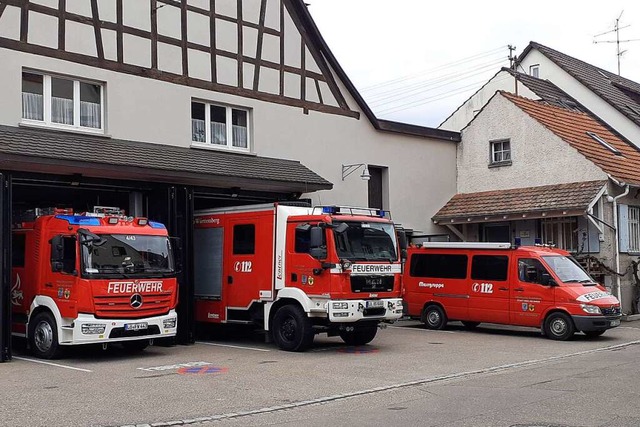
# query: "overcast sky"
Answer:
x=416 y=61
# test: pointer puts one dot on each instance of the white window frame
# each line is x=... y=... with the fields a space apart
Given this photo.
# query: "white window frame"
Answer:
x=633 y=220
x=502 y=152
x=534 y=70
x=46 y=97
x=229 y=127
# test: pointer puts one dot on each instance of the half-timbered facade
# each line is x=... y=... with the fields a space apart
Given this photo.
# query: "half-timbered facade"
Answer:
x=163 y=106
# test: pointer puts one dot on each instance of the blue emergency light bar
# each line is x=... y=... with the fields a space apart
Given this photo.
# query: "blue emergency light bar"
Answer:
x=349 y=210
x=79 y=220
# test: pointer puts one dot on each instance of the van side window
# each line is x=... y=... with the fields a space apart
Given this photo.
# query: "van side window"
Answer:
x=531 y=270
x=489 y=267
x=244 y=239
x=439 y=266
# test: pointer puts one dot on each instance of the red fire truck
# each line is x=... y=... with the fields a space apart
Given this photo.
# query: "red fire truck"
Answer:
x=92 y=278
x=297 y=271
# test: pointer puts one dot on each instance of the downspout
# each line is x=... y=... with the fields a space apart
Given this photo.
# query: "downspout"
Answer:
x=614 y=200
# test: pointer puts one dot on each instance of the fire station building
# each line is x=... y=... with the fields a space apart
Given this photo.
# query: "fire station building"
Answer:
x=161 y=107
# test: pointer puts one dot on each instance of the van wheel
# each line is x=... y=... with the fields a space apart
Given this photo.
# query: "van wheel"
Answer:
x=593 y=334
x=292 y=330
x=559 y=326
x=434 y=317
x=43 y=336
x=360 y=335
x=470 y=325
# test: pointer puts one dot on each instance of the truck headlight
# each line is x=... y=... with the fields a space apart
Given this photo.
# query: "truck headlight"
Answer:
x=169 y=323
x=93 y=328
x=591 y=309
x=340 y=305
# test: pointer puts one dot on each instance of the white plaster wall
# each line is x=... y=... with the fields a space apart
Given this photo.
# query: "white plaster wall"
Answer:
x=539 y=157
x=421 y=171
x=550 y=71
x=504 y=81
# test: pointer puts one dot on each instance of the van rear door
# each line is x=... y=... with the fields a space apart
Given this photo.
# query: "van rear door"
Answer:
x=531 y=293
x=489 y=287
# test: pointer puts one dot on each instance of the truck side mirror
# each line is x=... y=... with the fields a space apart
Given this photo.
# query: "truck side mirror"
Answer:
x=315 y=237
x=547 y=280
x=402 y=240
x=176 y=246
x=57 y=253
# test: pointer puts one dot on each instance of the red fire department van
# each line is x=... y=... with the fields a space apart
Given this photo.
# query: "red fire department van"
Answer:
x=497 y=283
x=297 y=271
x=92 y=278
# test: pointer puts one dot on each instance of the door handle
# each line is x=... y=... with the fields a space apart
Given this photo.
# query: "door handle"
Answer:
x=230 y=280
x=503 y=289
x=519 y=289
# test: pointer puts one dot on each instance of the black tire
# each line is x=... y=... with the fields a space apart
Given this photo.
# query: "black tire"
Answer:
x=559 y=326
x=360 y=335
x=135 y=346
x=43 y=336
x=470 y=325
x=292 y=329
x=593 y=334
x=434 y=317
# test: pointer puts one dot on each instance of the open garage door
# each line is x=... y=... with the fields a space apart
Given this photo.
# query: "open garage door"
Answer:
x=5 y=270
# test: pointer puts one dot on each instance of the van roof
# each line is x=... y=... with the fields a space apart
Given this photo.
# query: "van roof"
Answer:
x=489 y=246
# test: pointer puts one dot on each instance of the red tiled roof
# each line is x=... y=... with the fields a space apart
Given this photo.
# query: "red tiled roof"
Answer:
x=573 y=126
x=560 y=197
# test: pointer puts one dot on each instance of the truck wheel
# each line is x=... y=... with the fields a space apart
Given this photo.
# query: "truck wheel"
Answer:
x=360 y=335
x=292 y=329
x=43 y=336
x=593 y=334
x=434 y=317
x=559 y=326
x=135 y=346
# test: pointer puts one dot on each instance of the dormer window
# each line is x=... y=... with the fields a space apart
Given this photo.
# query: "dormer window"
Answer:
x=534 y=71
x=605 y=144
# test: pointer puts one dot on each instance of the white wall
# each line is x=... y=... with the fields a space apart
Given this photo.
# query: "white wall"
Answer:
x=539 y=157
x=504 y=81
x=421 y=171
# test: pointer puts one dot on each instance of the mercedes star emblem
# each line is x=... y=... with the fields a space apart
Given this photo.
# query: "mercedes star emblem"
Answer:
x=136 y=300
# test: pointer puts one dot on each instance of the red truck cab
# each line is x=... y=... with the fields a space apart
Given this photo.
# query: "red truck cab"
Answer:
x=91 y=278
x=533 y=286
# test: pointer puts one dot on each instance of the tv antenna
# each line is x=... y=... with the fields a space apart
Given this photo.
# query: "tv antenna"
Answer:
x=616 y=29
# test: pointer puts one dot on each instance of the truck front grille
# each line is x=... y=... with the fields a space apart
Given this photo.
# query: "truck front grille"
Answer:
x=372 y=283
x=119 y=306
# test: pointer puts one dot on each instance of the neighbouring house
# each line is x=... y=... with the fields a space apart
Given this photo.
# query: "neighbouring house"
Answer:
x=162 y=107
x=613 y=99
x=542 y=172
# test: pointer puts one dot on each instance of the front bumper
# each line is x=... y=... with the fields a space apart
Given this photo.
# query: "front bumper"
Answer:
x=595 y=323
x=349 y=311
x=117 y=330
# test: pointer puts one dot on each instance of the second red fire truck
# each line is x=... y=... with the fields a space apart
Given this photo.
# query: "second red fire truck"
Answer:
x=298 y=271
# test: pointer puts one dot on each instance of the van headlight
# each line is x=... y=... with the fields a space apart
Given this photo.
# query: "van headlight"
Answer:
x=591 y=309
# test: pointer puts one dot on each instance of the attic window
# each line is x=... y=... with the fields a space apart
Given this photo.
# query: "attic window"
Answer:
x=605 y=144
x=534 y=71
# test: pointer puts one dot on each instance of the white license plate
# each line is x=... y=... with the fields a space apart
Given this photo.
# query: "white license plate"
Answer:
x=614 y=323
x=375 y=304
x=135 y=326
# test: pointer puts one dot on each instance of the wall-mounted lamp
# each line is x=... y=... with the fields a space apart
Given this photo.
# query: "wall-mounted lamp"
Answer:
x=349 y=169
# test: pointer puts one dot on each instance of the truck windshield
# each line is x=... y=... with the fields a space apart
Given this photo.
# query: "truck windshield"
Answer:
x=367 y=241
x=124 y=255
x=568 y=270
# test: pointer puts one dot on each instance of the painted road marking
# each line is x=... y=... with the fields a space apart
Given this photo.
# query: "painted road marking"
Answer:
x=57 y=365
x=203 y=370
x=232 y=346
x=338 y=397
